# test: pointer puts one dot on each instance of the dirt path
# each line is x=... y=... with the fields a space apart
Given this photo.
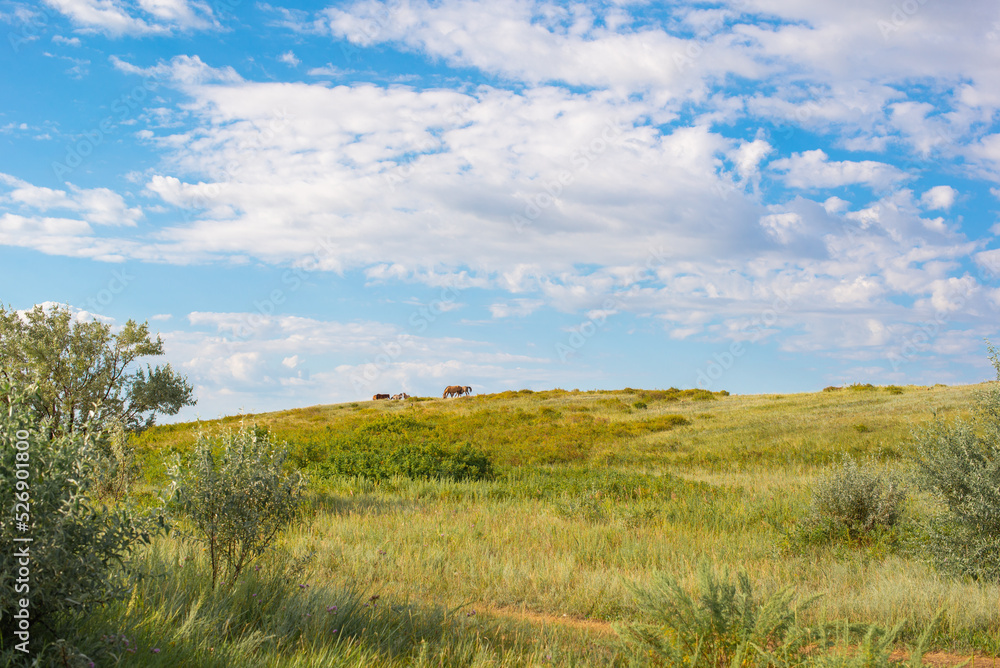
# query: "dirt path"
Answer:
x=931 y=659
x=545 y=619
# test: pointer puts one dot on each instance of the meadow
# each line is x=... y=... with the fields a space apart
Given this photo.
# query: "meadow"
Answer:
x=589 y=497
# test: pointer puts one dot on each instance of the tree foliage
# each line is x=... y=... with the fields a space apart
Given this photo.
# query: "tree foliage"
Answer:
x=81 y=368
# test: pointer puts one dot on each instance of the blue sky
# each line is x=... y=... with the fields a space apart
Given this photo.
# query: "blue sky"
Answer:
x=313 y=203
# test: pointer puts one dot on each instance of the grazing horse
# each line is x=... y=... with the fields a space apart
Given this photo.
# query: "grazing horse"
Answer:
x=396 y=397
x=453 y=391
x=468 y=391
x=380 y=396
x=404 y=395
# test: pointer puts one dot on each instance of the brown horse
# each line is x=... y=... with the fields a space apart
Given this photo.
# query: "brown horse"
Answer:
x=453 y=391
x=468 y=391
x=380 y=396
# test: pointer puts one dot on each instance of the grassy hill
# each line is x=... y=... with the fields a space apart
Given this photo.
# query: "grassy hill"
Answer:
x=593 y=495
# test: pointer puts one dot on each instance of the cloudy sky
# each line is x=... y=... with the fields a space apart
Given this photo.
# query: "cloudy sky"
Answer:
x=316 y=203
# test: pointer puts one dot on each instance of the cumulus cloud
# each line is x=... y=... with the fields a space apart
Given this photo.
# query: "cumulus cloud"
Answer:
x=143 y=17
x=814 y=170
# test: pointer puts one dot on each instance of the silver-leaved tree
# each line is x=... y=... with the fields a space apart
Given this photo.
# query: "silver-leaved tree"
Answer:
x=82 y=370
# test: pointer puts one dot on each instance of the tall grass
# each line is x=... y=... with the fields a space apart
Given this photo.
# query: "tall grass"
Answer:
x=592 y=498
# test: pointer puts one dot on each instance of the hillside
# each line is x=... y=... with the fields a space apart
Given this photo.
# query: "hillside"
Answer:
x=623 y=428
x=592 y=498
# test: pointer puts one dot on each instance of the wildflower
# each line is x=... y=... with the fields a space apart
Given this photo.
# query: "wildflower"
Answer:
x=156 y=650
x=303 y=586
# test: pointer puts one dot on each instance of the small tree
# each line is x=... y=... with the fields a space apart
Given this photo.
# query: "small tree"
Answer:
x=238 y=493
x=81 y=368
x=960 y=464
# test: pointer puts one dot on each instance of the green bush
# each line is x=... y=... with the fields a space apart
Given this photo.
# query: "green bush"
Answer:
x=855 y=501
x=959 y=463
x=237 y=491
x=116 y=467
x=72 y=563
x=380 y=461
x=724 y=624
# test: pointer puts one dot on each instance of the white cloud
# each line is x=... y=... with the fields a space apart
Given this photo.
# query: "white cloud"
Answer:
x=327 y=70
x=289 y=58
x=184 y=70
x=100 y=206
x=118 y=17
x=813 y=169
x=517 y=308
x=782 y=226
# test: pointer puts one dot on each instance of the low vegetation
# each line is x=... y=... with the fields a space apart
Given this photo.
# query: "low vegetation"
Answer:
x=563 y=528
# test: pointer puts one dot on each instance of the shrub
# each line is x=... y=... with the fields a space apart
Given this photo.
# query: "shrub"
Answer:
x=239 y=499
x=724 y=624
x=640 y=405
x=380 y=461
x=893 y=389
x=855 y=500
x=960 y=464
x=116 y=469
x=75 y=547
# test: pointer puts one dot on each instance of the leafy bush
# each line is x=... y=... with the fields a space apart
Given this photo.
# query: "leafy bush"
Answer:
x=640 y=405
x=239 y=499
x=75 y=546
x=856 y=501
x=960 y=464
x=116 y=468
x=893 y=389
x=723 y=625
x=379 y=461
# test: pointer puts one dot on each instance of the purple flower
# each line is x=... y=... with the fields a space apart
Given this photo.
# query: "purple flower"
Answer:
x=331 y=608
x=156 y=650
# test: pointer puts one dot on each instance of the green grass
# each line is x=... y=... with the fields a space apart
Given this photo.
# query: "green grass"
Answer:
x=592 y=497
